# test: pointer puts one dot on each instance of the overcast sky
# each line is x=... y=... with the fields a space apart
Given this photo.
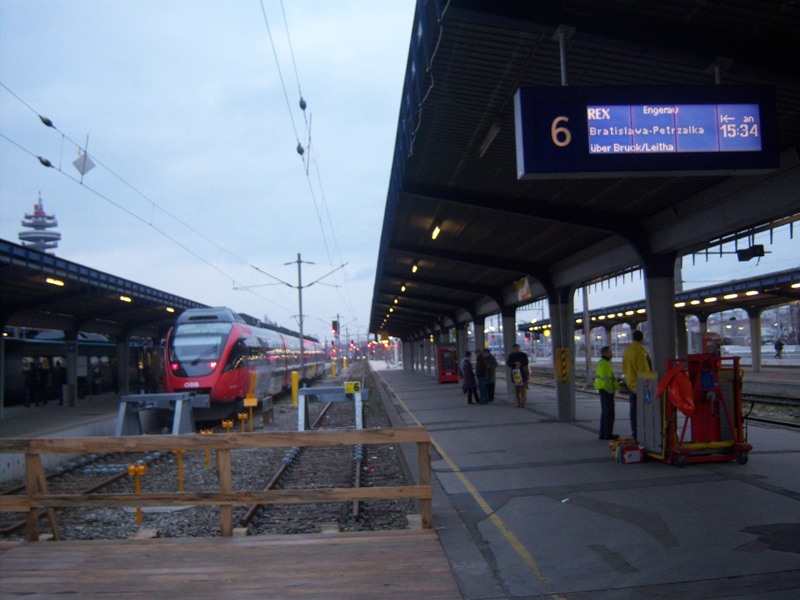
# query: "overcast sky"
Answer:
x=182 y=101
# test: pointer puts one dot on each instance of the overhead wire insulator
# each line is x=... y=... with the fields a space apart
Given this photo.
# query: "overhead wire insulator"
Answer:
x=302 y=103
x=46 y=121
x=45 y=162
x=300 y=149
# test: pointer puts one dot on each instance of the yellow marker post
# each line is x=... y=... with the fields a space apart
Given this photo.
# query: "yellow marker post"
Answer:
x=242 y=416
x=227 y=425
x=251 y=400
x=344 y=363
x=295 y=386
x=207 y=432
x=333 y=367
x=136 y=470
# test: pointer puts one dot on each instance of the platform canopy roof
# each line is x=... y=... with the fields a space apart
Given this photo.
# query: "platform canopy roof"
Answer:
x=39 y=290
x=455 y=168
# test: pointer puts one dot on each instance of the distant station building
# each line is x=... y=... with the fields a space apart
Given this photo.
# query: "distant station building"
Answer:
x=39 y=222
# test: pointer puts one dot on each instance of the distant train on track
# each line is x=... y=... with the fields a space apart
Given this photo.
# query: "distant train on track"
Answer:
x=214 y=351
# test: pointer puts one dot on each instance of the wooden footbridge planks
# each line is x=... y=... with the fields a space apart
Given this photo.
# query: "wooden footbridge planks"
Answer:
x=385 y=564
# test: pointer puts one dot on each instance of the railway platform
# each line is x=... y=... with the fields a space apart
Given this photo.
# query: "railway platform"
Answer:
x=527 y=506
x=94 y=415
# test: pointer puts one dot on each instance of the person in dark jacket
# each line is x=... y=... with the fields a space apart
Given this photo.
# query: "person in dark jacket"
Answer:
x=470 y=383
x=482 y=374
x=491 y=373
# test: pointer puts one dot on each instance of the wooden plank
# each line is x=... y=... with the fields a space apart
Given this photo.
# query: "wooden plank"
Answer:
x=41 y=481
x=231 y=498
x=424 y=469
x=231 y=441
x=31 y=480
x=14 y=503
x=225 y=486
x=360 y=565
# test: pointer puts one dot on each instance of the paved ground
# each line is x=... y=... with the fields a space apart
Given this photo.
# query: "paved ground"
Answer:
x=530 y=507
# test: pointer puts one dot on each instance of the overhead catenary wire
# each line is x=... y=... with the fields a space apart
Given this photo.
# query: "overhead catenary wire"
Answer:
x=58 y=168
x=280 y=73
x=306 y=155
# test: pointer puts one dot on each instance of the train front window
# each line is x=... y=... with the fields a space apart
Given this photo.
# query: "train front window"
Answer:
x=195 y=348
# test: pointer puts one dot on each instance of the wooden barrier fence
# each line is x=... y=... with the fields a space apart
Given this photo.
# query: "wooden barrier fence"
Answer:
x=37 y=496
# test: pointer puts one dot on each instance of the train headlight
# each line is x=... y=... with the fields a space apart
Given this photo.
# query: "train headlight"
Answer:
x=213 y=364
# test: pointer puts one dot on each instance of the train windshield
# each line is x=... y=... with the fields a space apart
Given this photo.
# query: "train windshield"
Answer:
x=195 y=348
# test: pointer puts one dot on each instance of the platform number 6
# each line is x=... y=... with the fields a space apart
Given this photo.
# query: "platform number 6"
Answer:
x=560 y=135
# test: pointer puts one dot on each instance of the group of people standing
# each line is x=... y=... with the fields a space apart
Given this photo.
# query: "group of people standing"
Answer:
x=635 y=361
x=43 y=384
x=478 y=381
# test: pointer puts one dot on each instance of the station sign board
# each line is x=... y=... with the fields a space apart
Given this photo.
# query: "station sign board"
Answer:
x=614 y=131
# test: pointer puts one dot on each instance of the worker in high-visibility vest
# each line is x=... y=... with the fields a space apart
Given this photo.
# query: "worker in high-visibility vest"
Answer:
x=606 y=383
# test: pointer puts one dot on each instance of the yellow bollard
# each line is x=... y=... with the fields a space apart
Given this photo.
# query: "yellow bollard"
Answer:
x=242 y=416
x=295 y=386
x=333 y=368
x=251 y=400
x=207 y=432
x=180 y=469
x=344 y=363
x=136 y=470
x=227 y=425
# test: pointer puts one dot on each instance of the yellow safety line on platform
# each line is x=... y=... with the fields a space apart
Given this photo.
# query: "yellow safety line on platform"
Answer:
x=512 y=539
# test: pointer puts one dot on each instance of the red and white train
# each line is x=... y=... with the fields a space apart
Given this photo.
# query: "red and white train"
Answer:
x=214 y=351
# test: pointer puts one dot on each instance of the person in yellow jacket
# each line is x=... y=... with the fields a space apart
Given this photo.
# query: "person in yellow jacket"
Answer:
x=635 y=360
x=606 y=384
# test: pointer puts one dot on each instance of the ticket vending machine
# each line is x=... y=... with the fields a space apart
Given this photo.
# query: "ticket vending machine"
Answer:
x=447 y=364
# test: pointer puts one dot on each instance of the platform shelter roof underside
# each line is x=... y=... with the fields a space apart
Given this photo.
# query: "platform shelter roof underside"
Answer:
x=39 y=290
x=455 y=164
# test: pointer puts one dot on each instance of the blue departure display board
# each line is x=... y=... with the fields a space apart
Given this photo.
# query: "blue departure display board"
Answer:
x=634 y=129
x=623 y=130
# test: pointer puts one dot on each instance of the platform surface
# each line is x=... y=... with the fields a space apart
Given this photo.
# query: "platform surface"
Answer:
x=527 y=506
x=359 y=565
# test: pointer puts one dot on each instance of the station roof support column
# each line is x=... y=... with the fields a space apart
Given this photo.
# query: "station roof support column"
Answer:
x=461 y=342
x=408 y=356
x=123 y=360
x=71 y=358
x=427 y=350
x=480 y=334
x=659 y=288
x=755 y=338
x=509 y=315
x=562 y=307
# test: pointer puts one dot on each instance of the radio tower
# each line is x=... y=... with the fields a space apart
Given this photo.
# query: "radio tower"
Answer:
x=40 y=222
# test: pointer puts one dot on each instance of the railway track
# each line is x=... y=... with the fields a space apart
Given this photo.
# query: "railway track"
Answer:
x=253 y=469
x=86 y=475
x=771 y=410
